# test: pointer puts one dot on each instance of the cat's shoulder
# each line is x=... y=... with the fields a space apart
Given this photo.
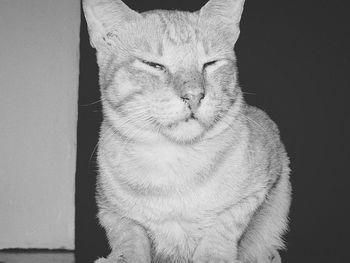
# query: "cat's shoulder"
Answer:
x=264 y=134
x=260 y=122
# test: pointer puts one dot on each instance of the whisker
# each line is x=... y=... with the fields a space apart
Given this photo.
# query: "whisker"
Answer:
x=268 y=135
x=92 y=103
x=249 y=93
x=254 y=122
x=133 y=134
x=103 y=137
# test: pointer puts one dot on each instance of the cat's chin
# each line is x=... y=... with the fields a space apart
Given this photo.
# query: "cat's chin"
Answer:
x=184 y=131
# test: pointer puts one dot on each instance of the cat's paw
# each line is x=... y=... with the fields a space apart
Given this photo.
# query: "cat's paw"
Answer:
x=122 y=258
x=102 y=260
x=112 y=260
x=275 y=257
x=210 y=259
x=271 y=256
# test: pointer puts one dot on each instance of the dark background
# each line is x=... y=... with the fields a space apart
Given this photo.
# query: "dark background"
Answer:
x=293 y=55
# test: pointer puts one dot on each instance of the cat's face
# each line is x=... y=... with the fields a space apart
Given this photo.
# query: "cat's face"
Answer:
x=172 y=73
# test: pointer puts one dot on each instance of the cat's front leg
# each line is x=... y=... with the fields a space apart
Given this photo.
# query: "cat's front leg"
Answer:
x=214 y=250
x=128 y=240
x=219 y=245
x=220 y=240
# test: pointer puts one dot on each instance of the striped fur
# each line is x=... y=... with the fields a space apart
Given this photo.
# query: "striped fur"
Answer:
x=188 y=172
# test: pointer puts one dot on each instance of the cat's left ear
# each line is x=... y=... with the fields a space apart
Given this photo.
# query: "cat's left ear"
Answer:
x=226 y=12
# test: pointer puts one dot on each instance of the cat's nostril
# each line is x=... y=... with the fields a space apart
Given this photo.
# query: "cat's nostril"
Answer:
x=185 y=98
x=192 y=96
x=200 y=96
x=192 y=99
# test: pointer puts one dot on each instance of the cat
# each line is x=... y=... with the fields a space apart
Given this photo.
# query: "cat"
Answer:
x=188 y=172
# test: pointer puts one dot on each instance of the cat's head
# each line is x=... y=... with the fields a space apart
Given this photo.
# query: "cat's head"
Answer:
x=166 y=72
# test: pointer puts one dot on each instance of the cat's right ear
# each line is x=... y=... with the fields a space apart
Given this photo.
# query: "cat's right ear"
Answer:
x=227 y=12
x=104 y=17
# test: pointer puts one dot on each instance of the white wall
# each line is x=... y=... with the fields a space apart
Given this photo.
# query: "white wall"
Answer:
x=39 y=54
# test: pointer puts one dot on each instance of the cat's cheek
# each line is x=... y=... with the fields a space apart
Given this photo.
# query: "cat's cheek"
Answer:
x=169 y=112
x=127 y=87
x=206 y=113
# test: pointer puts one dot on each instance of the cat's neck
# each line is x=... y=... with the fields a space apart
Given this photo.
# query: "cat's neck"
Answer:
x=163 y=165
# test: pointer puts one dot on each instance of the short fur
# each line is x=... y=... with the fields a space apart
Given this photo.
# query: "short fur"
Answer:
x=188 y=172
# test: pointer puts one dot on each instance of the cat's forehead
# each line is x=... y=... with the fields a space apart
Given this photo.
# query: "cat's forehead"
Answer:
x=178 y=28
x=177 y=38
x=172 y=30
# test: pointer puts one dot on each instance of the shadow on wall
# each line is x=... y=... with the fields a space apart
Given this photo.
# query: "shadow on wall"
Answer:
x=90 y=242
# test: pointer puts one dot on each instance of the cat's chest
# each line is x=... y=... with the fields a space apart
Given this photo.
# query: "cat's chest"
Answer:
x=167 y=183
x=167 y=166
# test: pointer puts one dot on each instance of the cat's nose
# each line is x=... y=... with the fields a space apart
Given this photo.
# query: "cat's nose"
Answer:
x=192 y=98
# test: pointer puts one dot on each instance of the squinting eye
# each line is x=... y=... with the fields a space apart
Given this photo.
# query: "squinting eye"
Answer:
x=209 y=64
x=153 y=64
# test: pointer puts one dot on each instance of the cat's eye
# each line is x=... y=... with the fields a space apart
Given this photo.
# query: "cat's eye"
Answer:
x=205 y=65
x=153 y=65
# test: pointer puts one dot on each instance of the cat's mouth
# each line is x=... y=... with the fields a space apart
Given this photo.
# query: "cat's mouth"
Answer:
x=190 y=117
x=187 y=129
x=184 y=124
x=187 y=119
